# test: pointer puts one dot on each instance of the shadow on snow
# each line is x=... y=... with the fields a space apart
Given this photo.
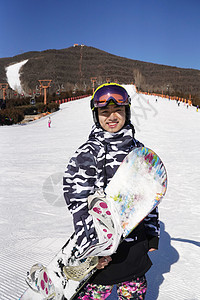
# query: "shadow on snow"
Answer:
x=162 y=260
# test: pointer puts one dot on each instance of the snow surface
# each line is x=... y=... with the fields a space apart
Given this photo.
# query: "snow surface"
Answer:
x=13 y=76
x=34 y=220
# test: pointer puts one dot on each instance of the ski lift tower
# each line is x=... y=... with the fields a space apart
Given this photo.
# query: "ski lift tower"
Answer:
x=45 y=84
x=4 y=87
x=93 y=80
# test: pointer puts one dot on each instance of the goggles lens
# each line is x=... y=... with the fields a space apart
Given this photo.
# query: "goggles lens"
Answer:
x=107 y=93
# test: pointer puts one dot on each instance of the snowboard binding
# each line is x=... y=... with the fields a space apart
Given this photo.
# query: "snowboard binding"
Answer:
x=79 y=272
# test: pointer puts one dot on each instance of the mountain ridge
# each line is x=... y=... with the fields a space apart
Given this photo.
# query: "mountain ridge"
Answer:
x=73 y=67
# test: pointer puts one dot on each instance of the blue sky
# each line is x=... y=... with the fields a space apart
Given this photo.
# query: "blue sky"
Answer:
x=160 y=31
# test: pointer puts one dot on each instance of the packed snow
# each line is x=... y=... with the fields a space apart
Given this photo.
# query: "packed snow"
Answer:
x=13 y=76
x=34 y=220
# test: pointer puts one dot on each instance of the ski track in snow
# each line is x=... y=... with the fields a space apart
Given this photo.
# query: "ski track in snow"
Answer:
x=32 y=230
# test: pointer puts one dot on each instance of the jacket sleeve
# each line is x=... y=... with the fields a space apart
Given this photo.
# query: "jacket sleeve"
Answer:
x=79 y=181
x=152 y=227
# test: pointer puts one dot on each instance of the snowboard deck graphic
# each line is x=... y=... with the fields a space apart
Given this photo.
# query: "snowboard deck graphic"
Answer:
x=134 y=191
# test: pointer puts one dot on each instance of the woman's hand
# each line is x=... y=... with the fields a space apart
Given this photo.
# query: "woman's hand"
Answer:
x=152 y=249
x=103 y=262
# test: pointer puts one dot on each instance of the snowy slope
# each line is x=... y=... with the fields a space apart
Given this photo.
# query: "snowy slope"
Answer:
x=34 y=221
x=13 y=76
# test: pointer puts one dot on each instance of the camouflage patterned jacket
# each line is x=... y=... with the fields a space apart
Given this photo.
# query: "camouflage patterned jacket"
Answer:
x=91 y=168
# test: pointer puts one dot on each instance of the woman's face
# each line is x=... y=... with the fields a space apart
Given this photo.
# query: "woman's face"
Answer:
x=112 y=117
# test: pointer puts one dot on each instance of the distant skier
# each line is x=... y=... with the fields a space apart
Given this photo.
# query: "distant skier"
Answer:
x=49 y=122
x=91 y=169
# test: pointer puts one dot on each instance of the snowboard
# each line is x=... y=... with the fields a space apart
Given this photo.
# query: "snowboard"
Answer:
x=135 y=190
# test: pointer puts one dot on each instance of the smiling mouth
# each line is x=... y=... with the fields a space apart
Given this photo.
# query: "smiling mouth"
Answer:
x=112 y=124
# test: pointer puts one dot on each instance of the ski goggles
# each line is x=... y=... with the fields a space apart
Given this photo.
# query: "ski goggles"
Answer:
x=105 y=94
